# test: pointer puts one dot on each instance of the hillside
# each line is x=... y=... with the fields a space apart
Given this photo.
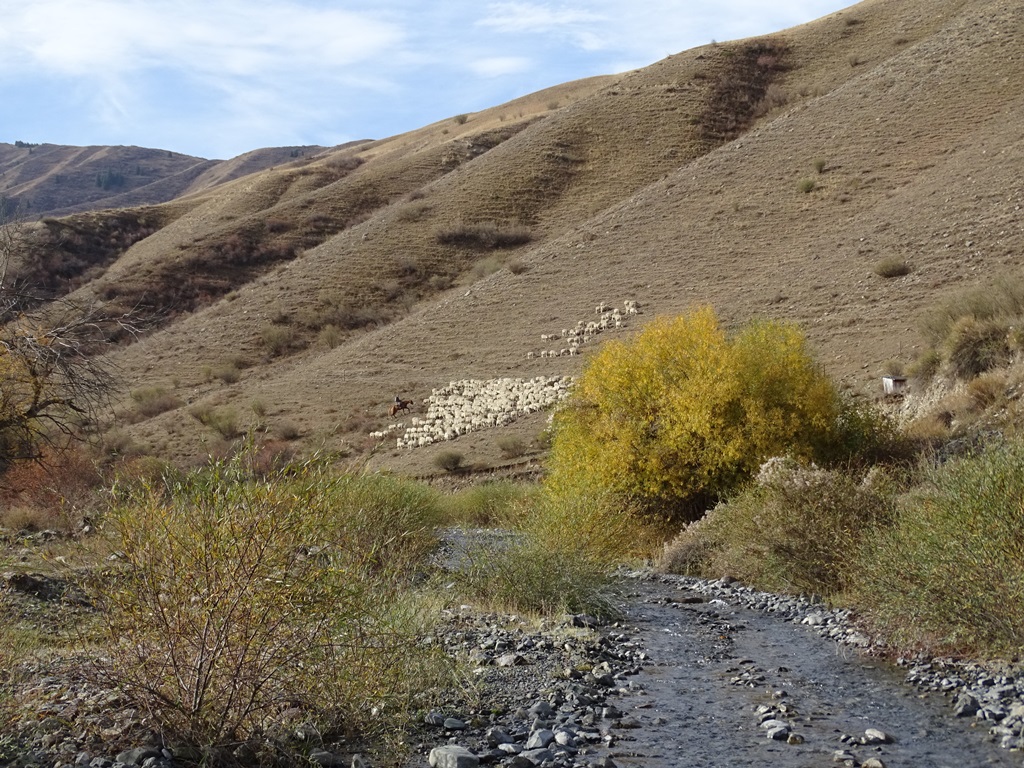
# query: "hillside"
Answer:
x=766 y=177
x=52 y=180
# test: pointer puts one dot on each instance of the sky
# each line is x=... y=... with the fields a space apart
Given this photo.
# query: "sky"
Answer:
x=216 y=78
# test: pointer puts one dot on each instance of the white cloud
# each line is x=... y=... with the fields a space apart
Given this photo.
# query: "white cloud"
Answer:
x=231 y=37
x=522 y=17
x=497 y=66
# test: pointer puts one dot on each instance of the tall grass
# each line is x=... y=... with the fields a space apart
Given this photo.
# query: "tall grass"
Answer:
x=561 y=561
x=950 y=572
x=238 y=597
x=499 y=503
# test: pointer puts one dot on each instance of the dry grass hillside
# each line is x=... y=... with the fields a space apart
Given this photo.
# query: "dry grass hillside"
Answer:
x=52 y=180
x=768 y=178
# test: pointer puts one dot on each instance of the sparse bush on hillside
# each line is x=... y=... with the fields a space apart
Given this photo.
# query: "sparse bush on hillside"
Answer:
x=512 y=447
x=223 y=421
x=449 y=461
x=950 y=570
x=1002 y=299
x=819 y=165
x=893 y=266
x=975 y=346
x=278 y=339
x=152 y=401
x=807 y=185
x=680 y=415
x=486 y=234
x=238 y=597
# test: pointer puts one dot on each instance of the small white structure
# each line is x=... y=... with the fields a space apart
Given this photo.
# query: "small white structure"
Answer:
x=894 y=385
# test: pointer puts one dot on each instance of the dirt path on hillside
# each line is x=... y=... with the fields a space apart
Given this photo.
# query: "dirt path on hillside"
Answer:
x=720 y=669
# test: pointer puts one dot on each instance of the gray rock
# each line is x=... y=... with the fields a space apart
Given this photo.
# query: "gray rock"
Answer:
x=452 y=756
x=875 y=736
x=540 y=739
x=510 y=660
x=138 y=756
x=453 y=724
x=496 y=737
x=872 y=762
x=535 y=756
x=434 y=718
x=326 y=759
x=779 y=733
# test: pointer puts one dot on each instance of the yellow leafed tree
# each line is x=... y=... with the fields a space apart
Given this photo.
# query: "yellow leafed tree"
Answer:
x=678 y=416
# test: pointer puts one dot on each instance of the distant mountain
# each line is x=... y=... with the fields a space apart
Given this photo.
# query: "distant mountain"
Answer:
x=53 y=180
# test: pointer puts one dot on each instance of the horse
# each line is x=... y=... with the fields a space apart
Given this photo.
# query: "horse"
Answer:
x=401 y=405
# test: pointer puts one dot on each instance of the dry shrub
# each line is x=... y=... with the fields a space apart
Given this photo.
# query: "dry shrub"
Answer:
x=278 y=339
x=449 y=461
x=512 y=447
x=892 y=267
x=238 y=598
x=55 y=493
x=975 y=346
x=987 y=390
x=1002 y=299
x=152 y=401
x=486 y=235
x=223 y=421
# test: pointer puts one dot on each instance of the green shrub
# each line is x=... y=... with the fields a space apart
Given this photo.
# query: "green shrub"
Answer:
x=950 y=572
x=806 y=185
x=798 y=530
x=236 y=598
x=680 y=415
x=561 y=561
x=500 y=502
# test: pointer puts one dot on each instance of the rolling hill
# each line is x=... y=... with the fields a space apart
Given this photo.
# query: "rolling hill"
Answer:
x=766 y=177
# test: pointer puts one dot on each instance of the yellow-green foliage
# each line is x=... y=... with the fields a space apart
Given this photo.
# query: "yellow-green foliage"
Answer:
x=678 y=416
x=560 y=558
x=950 y=572
x=798 y=530
x=237 y=597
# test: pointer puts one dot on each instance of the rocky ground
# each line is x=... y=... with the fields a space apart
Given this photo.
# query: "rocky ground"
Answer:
x=697 y=673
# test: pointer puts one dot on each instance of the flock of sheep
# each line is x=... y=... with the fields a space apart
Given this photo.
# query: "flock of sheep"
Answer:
x=470 y=405
x=584 y=331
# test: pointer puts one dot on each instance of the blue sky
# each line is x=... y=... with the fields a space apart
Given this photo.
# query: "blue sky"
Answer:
x=216 y=78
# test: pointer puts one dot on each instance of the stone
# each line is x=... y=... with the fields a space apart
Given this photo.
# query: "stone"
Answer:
x=138 y=756
x=510 y=660
x=453 y=724
x=540 y=739
x=496 y=737
x=434 y=718
x=326 y=759
x=872 y=762
x=452 y=756
x=875 y=736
